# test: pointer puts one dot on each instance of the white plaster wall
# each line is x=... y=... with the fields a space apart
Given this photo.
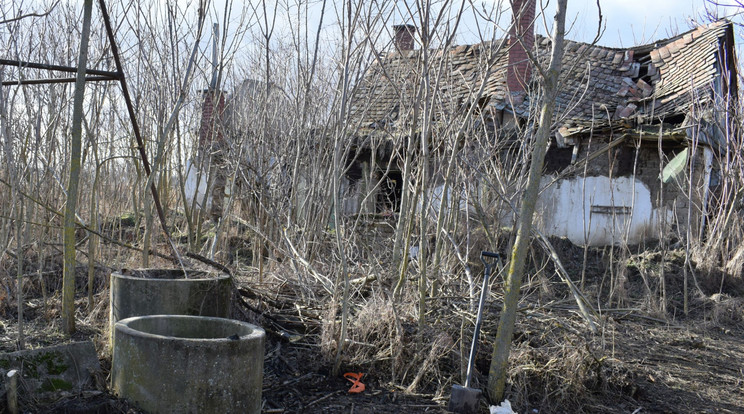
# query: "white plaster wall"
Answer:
x=191 y=188
x=194 y=177
x=434 y=200
x=565 y=210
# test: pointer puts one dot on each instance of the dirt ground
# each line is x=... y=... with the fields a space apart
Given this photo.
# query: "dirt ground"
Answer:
x=649 y=367
x=637 y=362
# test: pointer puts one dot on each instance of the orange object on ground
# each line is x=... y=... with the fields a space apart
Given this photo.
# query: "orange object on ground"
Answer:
x=356 y=379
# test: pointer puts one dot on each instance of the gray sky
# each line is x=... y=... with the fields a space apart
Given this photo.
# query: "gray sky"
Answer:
x=627 y=22
x=631 y=22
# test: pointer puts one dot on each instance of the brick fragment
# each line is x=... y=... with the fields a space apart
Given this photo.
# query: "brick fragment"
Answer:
x=655 y=56
x=673 y=47
x=646 y=89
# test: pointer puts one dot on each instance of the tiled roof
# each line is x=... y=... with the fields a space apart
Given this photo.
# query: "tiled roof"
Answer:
x=390 y=85
x=598 y=84
x=687 y=67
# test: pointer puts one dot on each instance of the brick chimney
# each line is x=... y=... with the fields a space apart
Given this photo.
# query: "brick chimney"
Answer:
x=404 y=36
x=213 y=107
x=519 y=70
x=211 y=151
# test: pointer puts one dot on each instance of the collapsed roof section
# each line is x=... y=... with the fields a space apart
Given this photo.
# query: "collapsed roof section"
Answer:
x=600 y=87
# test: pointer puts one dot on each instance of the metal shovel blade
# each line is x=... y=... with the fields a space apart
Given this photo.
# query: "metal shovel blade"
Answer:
x=464 y=400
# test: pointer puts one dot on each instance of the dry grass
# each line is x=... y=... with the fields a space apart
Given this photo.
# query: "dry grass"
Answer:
x=727 y=311
x=556 y=365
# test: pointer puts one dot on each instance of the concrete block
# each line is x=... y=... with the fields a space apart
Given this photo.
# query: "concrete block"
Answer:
x=52 y=372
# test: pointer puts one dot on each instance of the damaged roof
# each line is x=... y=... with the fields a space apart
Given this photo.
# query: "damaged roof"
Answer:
x=600 y=86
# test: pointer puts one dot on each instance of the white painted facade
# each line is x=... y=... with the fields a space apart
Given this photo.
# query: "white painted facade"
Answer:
x=196 y=185
x=598 y=211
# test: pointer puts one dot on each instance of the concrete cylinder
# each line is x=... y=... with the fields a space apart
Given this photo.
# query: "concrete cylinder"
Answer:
x=188 y=364
x=168 y=292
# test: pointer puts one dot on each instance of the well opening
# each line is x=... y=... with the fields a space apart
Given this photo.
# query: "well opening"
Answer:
x=181 y=363
x=190 y=328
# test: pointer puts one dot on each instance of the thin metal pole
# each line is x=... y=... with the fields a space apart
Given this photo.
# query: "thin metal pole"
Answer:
x=135 y=128
x=33 y=65
x=55 y=80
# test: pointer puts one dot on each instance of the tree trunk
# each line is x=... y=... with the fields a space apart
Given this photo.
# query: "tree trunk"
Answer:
x=502 y=342
x=19 y=269
x=68 y=278
x=338 y=156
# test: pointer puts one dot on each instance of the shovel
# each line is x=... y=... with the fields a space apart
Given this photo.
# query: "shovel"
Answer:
x=463 y=398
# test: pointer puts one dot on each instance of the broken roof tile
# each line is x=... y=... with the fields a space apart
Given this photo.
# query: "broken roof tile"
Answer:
x=646 y=89
x=664 y=52
x=676 y=70
x=655 y=56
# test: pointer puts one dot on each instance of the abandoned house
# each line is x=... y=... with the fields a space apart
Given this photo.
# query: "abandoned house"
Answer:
x=232 y=129
x=637 y=135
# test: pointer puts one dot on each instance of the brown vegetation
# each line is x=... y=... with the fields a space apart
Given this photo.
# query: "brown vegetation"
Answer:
x=390 y=293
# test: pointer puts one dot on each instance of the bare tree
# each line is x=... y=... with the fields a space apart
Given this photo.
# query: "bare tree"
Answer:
x=550 y=87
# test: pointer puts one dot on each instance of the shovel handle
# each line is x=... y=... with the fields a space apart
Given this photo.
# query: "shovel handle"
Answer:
x=479 y=318
x=490 y=255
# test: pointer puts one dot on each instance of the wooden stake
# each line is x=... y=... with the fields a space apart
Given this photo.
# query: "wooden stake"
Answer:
x=11 y=386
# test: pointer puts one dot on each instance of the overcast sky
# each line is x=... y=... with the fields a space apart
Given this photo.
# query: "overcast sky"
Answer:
x=627 y=22
x=631 y=22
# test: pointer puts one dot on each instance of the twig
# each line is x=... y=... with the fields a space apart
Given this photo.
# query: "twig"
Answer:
x=292 y=381
x=24 y=16
x=325 y=397
x=468 y=272
x=585 y=308
x=325 y=282
x=209 y=262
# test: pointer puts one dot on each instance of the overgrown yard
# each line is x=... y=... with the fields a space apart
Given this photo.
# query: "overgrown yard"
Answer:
x=639 y=361
x=347 y=172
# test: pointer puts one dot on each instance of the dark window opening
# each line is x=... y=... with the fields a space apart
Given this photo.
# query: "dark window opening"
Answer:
x=388 y=198
x=354 y=173
x=557 y=159
x=623 y=160
x=677 y=119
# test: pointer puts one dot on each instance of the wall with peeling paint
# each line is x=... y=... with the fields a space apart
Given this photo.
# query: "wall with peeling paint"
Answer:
x=598 y=210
